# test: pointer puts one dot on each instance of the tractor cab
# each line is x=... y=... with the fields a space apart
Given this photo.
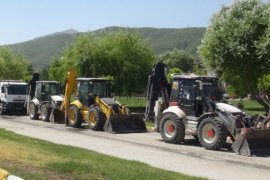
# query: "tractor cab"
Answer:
x=89 y=88
x=194 y=94
x=45 y=89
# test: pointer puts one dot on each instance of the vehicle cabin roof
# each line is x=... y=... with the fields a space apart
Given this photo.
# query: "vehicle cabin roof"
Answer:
x=57 y=82
x=16 y=82
x=91 y=79
x=193 y=76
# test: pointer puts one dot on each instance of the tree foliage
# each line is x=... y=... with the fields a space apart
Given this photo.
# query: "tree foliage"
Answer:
x=13 y=66
x=122 y=55
x=236 y=45
x=178 y=59
x=264 y=86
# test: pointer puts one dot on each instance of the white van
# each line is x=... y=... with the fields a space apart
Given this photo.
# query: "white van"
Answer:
x=13 y=94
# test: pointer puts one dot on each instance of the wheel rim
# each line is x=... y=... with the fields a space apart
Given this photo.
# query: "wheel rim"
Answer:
x=92 y=119
x=209 y=133
x=32 y=110
x=169 y=128
x=71 y=116
x=43 y=112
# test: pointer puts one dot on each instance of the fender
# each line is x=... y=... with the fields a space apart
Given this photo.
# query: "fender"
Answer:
x=57 y=98
x=35 y=101
x=78 y=104
x=45 y=102
x=203 y=117
x=176 y=110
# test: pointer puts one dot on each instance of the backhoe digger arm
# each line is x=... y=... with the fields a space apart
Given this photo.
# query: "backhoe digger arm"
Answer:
x=157 y=84
x=69 y=88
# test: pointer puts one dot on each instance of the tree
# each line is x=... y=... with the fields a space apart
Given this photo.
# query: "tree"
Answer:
x=236 y=44
x=264 y=86
x=13 y=66
x=171 y=72
x=178 y=59
x=122 y=55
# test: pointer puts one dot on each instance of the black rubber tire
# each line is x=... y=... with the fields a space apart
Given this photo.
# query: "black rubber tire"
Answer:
x=220 y=133
x=33 y=111
x=179 y=134
x=99 y=118
x=78 y=119
x=45 y=112
x=2 y=111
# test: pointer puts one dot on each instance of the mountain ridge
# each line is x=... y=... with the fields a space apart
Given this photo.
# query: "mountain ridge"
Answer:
x=41 y=50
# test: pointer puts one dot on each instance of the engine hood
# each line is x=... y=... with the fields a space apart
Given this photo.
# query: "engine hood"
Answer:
x=228 y=108
x=57 y=98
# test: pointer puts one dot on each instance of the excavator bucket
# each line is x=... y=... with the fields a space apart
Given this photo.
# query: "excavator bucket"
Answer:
x=57 y=116
x=121 y=123
x=252 y=141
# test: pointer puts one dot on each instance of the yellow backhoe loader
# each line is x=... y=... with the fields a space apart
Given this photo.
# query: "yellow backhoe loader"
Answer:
x=92 y=104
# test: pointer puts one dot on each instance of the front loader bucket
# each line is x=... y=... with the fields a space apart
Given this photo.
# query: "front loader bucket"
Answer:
x=124 y=124
x=251 y=141
x=57 y=116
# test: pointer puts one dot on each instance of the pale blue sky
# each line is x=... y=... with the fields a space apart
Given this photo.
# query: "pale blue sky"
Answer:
x=23 y=20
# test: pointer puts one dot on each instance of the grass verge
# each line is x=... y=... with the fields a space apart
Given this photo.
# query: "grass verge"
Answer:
x=250 y=106
x=31 y=158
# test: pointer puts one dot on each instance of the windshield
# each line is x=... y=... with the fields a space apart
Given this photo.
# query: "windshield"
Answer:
x=17 y=89
x=211 y=90
x=51 y=88
x=99 y=88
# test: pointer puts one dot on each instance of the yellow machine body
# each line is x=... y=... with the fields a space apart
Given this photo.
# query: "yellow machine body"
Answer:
x=94 y=106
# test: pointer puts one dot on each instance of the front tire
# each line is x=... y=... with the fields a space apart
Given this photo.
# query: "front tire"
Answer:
x=45 y=112
x=75 y=118
x=2 y=111
x=96 y=118
x=212 y=133
x=33 y=111
x=172 y=129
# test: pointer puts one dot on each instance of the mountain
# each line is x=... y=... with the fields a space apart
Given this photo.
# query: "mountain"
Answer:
x=164 y=39
x=40 y=51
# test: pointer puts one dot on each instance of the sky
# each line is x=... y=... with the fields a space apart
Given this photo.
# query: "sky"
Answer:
x=23 y=20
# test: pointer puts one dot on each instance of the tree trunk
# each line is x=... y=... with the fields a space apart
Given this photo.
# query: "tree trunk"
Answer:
x=262 y=102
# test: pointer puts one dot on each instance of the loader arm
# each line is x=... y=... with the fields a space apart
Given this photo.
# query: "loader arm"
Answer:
x=106 y=109
x=118 y=118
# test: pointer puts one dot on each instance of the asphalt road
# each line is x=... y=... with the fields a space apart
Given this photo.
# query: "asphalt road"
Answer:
x=188 y=158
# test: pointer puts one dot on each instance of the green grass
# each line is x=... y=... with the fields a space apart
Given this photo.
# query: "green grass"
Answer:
x=250 y=106
x=31 y=158
x=135 y=104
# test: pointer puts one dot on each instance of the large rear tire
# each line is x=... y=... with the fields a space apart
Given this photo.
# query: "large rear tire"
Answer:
x=172 y=129
x=75 y=118
x=96 y=118
x=33 y=111
x=45 y=112
x=212 y=133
